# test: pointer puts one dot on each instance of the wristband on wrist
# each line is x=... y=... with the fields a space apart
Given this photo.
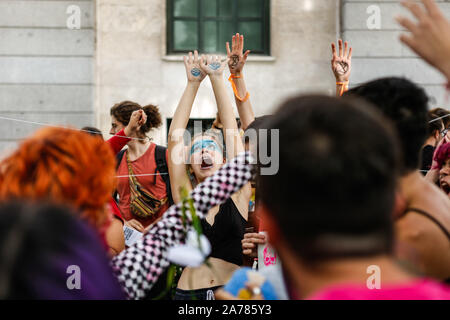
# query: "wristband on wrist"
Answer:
x=344 y=87
x=232 y=76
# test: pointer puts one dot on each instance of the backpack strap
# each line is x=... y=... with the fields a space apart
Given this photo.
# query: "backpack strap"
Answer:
x=161 y=166
x=119 y=157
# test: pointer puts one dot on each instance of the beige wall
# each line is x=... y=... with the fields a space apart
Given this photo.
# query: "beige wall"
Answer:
x=131 y=61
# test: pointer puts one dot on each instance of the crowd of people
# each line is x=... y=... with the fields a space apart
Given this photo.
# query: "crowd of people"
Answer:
x=363 y=181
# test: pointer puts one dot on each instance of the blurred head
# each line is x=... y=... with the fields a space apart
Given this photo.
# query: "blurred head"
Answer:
x=442 y=159
x=121 y=114
x=333 y=196
x=63 y=166
x=38 y=244
x=406 y=105
x=206 y=155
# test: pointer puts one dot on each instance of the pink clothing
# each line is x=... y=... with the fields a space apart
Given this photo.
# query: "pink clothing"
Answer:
x=423 y=289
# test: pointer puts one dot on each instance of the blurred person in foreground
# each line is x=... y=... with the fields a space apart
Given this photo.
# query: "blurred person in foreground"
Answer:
x=423 y=222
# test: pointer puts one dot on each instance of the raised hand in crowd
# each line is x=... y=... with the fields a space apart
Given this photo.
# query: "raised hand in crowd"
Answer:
x=236 y=56
x=341 y=65
x=236 y=61
x=429 y=37
x=176 y=156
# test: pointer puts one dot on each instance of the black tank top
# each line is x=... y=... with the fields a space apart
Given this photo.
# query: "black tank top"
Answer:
x=226 y=233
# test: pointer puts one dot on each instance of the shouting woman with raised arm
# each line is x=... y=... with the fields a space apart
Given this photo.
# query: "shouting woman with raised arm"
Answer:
x=342 y=66
x=223 y=225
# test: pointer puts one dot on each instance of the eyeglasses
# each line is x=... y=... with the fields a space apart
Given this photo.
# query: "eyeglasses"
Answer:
x=445 y=131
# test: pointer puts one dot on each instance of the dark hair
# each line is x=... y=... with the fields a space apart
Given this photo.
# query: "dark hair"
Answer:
x=38 y=242
x=406 y=105
x=122 y=112
x=334 y=193
x=441 y=112
x=93 y=132
x=260 y=123
x=434 y=124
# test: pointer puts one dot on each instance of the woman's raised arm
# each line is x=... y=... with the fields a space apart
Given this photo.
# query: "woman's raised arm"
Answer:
x=214 y=67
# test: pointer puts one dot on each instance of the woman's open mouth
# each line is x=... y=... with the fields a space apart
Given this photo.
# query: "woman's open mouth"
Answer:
x=207 y=163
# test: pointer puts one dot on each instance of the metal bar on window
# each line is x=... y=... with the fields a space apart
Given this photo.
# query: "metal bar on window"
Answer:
x=169 y=31
x=234 y=14
x=217 y=25
x=185 y=18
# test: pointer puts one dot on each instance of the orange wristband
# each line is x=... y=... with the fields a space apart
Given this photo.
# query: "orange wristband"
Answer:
x=344 y=87
x=232 y=76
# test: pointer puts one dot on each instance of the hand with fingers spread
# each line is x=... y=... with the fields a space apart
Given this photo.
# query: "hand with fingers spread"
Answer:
x=236 y=57
x=342 y=63
x=133 y=223
x=250 y=242
x=430 y=36
x=193 y=71
x=212 y=65
x=138 y=118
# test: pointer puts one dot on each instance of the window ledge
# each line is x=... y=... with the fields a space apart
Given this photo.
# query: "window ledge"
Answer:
x=175 y=58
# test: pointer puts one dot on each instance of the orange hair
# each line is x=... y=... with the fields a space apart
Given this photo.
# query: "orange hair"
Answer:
x=63 y=166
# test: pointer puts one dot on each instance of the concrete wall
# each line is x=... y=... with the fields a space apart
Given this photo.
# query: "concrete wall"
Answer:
x=46 y=69
x=379 y=53
x=132 y=63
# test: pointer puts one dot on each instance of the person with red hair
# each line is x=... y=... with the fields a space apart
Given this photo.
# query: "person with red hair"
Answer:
x=57 y=165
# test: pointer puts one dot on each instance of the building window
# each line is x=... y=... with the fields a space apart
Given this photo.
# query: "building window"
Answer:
x=207 y=25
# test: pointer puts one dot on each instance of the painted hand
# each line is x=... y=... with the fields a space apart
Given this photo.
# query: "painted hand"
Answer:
x=193 y=71
x=430 y=36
